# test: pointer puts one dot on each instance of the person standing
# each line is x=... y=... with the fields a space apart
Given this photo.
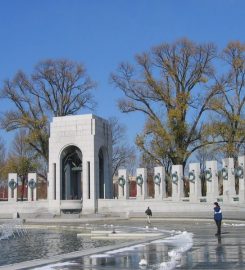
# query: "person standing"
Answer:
x=217 y=218
x=148 y=214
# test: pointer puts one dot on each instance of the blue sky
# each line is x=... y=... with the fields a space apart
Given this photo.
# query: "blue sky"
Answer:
x=102 y=33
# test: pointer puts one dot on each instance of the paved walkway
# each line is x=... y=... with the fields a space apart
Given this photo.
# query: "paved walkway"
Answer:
x=210 y=252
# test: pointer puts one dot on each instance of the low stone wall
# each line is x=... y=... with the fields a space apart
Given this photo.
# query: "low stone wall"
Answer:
x=136 y=208
x=25 y=209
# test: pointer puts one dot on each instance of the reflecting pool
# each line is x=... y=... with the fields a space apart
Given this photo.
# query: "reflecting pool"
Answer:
x=51 y=241
x=179 y=250
x=165 y=254
x=44 y=243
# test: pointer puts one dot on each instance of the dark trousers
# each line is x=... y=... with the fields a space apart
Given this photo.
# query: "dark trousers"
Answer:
x=218 y=223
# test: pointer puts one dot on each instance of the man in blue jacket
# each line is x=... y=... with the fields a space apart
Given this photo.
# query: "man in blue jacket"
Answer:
x=217 y=218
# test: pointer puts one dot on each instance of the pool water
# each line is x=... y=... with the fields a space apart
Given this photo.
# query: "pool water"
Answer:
x=45 y=243
x=164 y=253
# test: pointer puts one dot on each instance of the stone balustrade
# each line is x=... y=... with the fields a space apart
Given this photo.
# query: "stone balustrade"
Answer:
x=217 y=185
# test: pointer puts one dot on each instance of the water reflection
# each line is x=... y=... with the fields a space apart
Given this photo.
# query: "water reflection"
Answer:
x=153 y=253
x=43 y=244
x=224 y=252
x=208 y=252
x=220 y=251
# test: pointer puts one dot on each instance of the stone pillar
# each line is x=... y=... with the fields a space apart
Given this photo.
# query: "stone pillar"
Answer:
x=141 y=182
x=123 y=184
x=12 y=187
x=32 y=187
x=49 y=189
x=228 y=179
x=57 y=187
x=177 y=182
x=241 y=175
x=94 y=184
x=159 y=183
x=52 y=182
x=212 y=181
x=86 y=180
x=195 y=182
x=90 y=185
x=109 y=181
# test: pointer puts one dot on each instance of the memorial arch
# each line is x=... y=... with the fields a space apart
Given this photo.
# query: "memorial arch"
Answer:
x=80 y=163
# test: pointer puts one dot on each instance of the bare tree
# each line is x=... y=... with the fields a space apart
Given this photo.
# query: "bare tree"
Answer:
x=123 y=155
x=2 y=158
x=230 y=103
x=172 y=86
x=55 y=88
x=22 y=159
x=20 y=147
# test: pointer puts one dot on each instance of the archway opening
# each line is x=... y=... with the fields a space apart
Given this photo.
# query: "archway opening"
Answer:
x=71 y=172
x=101 y=175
